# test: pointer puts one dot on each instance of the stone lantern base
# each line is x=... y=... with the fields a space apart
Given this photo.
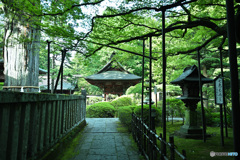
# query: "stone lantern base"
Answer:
x=191 y=129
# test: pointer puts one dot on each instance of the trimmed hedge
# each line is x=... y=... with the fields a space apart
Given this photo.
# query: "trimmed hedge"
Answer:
x=125 y=116
x=100 y=110
x=138 y=112
x=121 y=101
x=212 y=117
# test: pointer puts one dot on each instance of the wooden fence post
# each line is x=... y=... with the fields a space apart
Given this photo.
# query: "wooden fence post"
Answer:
x=144 y=139
x=171 y=141
x=154 y=144
x=148 y=144
x=139 y=132
x=162 y=147
x=184 y=154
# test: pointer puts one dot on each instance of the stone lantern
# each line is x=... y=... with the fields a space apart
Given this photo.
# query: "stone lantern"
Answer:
x=189 y=82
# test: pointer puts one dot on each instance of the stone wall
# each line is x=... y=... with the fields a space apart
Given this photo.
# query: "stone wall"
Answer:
x=31 y=123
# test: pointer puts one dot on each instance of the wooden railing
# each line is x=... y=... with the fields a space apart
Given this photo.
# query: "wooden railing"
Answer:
x=31 y=123
x=147 y=142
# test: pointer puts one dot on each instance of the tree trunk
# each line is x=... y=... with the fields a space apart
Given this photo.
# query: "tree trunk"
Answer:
x=21 y=52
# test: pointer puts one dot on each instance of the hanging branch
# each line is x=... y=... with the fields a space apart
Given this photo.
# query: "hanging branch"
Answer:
x=196 y=48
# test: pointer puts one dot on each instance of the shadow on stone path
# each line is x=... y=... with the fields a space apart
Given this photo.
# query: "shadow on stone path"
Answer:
x=101 y=141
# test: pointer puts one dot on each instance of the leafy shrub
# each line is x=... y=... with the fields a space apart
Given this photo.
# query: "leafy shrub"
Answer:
x=1 y=84
x=125 y=116
x=175 y=107
x=93 y=100
x=229 y=120
x=138 y=112
x=132 y=107
x=215 y=116
x=111 y=97
x=159 y=104
x=211 y=116
x=100 y=110
x=121 y=101
x=135 y=89
x=208 y=116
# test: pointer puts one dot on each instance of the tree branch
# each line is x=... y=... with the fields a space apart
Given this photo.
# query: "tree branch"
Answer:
x=162 y=8
x=212 y=4
x=142 y=25
x=223 y=40
x=107 y=45
x=72 y=7
x=187 y=11
x=197 y=48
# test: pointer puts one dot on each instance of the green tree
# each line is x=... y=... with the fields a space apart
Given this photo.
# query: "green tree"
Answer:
x=199 y=25
x=24 y=19
x=192 y=26
x=175 y=107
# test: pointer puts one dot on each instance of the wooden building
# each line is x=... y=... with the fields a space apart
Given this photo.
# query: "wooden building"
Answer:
x=113 y=78
x=68 y=88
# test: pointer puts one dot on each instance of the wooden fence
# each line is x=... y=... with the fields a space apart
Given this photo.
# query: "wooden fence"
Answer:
x=31 y=123
x=147 y=142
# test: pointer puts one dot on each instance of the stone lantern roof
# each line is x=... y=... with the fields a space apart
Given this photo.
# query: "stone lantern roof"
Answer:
x=190 y=74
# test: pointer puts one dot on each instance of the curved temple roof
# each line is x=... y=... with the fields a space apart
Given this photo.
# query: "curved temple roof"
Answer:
x=112 y=72
x=113 y=75
x=113 y=78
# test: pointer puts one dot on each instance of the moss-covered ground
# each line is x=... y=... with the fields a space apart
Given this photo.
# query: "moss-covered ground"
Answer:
x=65 y=148
x=197 y=149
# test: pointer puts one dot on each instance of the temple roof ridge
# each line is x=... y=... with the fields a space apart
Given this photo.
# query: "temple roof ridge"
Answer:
x=109 y=65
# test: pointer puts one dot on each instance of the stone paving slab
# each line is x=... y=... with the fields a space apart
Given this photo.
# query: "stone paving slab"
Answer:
x=102 y=141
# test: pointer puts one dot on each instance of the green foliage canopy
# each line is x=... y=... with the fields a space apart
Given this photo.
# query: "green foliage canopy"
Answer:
x=191 y=26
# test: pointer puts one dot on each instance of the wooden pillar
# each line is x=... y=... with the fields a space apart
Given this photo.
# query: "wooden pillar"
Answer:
x=105 y=97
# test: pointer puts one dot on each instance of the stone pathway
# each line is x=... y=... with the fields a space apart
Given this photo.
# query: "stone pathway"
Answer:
x=102 y=141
